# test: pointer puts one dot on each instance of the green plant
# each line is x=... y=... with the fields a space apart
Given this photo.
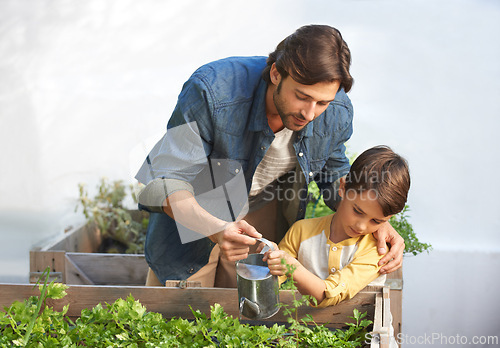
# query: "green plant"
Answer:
x=316 y=207
x=292 y=311
x=405 y=229
x=119 y=230
x=24 y=320
x=309 y=334
x=127 y=323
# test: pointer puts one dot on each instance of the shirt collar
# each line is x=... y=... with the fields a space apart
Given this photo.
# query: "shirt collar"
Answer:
x=258 y=121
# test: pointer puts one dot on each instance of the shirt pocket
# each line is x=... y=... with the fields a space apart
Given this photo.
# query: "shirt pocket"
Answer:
x=224 y=170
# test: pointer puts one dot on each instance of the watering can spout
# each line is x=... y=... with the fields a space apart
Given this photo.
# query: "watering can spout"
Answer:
x=249 y=308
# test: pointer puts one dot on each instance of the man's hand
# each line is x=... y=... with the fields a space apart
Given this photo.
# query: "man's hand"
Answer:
x=235 y=240
x=394 y=258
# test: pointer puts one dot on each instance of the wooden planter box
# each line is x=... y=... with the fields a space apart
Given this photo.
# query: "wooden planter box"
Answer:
x=174 y=302
x=72 y=260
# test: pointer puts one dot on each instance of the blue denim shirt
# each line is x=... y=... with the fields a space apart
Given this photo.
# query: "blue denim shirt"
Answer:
x=226 y=99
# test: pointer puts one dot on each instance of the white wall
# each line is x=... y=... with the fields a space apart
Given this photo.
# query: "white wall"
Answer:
x=86 y=88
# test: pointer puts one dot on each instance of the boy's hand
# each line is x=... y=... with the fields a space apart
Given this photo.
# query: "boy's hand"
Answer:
x=276 y=266
x=262 y=245
x=394 y=258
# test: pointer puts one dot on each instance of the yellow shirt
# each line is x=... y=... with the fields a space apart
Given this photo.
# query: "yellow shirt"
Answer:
x=346 y=267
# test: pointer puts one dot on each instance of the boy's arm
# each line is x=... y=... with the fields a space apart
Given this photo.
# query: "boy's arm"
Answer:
x=338 y=286
x=346 y=283
x=307 y=283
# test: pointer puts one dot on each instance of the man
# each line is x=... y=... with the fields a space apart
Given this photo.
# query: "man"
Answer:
x=272 y=124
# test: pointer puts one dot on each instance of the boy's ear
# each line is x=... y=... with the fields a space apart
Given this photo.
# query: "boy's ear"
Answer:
x=342 y=186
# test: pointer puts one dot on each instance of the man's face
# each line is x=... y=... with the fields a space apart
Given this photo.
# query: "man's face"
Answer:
x=299 y=104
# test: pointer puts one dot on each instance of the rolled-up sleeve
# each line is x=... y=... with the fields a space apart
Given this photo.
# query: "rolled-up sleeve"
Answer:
x=347 y=282
x=151 y=196
x=182 y=153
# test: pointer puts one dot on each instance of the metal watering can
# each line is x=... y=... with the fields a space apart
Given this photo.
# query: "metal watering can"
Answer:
x=258 y=289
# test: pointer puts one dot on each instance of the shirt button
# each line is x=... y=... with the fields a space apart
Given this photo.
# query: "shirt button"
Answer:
x=311 y=174
x=334 y=248
x=236 y=171
x=343 y=284
x=333 y=270
x=191 y=270
x=262 y=147
x=218 y=163
x=301 y=154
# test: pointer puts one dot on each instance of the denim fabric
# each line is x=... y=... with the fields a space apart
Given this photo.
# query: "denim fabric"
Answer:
x=226 y=100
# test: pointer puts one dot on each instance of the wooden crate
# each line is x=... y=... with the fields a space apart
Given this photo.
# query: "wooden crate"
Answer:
x=73 y=260
x=174 y=302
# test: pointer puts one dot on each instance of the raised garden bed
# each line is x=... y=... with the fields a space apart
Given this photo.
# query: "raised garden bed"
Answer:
x=74 y=259
x=174 y=302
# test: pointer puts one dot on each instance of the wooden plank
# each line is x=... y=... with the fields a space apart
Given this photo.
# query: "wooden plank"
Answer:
x=377 y=317
x=386 y=319
x=111 y=269
x=40 y=260
x=333 y=316
x=84 y=239
x=173 y=302
x=74 y=275
x=395 y=282
x=182 y=284
x=53 y=276
x=386 y=292
x=395 y=279
x=397 y=311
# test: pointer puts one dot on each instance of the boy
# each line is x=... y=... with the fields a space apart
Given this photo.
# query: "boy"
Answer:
x=336 y=255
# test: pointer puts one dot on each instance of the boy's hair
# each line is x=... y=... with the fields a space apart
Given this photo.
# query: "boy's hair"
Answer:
x=312 y=54
x=383 y=172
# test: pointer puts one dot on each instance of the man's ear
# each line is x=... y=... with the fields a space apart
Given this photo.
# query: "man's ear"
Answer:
x=274 y=75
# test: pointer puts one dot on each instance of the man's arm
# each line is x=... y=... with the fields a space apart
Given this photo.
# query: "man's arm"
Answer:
x=234 y=238
x=172 y=166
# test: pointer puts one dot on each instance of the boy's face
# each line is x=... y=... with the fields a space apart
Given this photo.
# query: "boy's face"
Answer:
x=359 y=213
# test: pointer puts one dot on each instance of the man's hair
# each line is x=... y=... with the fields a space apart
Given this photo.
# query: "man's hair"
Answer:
x=312 y=54
x=384 y=173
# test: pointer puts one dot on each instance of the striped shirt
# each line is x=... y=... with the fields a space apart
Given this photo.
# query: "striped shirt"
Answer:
x=279 y=159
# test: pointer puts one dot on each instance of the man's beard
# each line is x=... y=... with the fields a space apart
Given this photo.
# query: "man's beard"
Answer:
x=286 y=118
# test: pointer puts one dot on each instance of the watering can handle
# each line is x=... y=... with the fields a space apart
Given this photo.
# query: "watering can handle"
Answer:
x=269 y=245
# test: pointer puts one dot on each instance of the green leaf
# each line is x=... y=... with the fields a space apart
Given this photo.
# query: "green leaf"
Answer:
x=405 y=229
x=55 y=290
